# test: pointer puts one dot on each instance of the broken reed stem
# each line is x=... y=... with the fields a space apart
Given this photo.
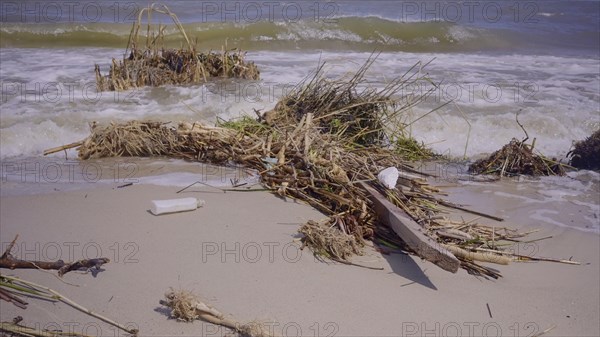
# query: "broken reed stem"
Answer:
x=56 y=295
x=62 y=148
x=522 y=258
x=474 y=256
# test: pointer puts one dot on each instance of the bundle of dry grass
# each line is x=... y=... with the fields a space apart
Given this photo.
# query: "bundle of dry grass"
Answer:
x=329 y=238
x=586 y=153
x=336 y=106
x=299 y=153
x=516 y=158
x=153 y=65
x=147 y=139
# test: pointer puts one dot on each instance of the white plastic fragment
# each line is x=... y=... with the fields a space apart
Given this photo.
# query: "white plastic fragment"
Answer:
x=388 y=177
x=175 y=205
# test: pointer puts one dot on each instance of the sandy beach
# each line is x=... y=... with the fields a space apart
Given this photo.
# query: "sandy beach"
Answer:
x=346 y=90
x=238 y=252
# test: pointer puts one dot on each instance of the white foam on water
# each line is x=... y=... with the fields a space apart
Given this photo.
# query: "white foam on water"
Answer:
x=306 y=30
x=516 y=196
x=27 y=138
x=547 y=215
x=556 y=97
x=571 y=201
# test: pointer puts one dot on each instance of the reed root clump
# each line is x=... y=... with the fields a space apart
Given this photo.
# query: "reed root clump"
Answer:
x=586 y=153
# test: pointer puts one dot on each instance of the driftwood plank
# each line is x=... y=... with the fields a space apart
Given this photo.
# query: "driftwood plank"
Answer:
x=411 y=232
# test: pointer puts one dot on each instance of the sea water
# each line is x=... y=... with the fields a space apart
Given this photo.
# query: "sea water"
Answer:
x=485 y=63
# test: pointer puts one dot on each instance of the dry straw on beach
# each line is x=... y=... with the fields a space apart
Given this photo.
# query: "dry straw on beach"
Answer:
x=149 y=63
x=317 y=144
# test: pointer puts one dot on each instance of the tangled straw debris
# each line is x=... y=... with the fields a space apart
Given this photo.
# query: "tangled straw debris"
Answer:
x=330 y=240
x=516 y=158
x=316 y=145
x=154 y=65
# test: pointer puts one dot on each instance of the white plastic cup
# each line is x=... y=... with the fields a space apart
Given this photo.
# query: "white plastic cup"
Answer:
x=175 y=205
x=389 y=177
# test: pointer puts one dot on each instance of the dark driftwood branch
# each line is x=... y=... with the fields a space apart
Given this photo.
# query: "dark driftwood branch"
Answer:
x=10 y=262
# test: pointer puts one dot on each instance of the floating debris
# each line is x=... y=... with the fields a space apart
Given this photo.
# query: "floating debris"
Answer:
x=153 y=65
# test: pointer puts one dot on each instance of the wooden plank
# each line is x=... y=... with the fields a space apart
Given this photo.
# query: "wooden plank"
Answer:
x=411 y=232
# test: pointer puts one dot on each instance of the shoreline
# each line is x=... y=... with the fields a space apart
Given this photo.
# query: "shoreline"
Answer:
x=460 y=86
x=238 y=253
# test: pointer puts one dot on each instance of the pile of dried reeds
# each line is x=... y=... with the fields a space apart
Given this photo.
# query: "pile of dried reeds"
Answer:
x=301 y=152
x=146 y=139
x=355 y=115
x=516 y=158
x=586 y=153
x=152 y=64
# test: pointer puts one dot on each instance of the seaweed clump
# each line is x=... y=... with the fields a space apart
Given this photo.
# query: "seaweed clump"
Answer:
x=151 y=64
x=517 y=158
x=586 y=153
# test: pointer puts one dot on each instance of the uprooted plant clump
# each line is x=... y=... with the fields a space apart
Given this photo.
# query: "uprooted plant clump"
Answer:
x=586 y=153
x=151 y=64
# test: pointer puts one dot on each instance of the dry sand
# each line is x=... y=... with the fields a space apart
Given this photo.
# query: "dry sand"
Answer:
x=237 y=252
